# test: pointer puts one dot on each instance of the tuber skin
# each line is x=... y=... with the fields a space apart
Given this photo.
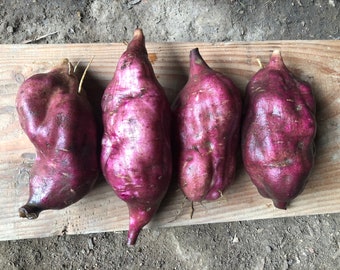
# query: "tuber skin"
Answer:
x=136 y=154
x=59 y=122
x=278 y=132
x=207 y=116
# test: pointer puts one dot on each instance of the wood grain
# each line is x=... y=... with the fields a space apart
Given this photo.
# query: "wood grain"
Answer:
x=317 y=62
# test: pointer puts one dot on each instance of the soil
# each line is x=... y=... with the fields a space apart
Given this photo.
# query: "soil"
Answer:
x=311 y=242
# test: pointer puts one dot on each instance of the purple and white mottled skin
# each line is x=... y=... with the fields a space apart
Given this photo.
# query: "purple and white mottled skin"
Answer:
x=60 y=123
x=208 y=113
x=136 y=152
x=278 y=132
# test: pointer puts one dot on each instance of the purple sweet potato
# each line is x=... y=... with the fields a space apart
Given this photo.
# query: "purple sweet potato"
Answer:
x=60 y=123
x=136 y=154
x=207 y=115
x=278 y=132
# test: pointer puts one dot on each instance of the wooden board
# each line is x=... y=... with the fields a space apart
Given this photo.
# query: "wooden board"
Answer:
x=318 y=62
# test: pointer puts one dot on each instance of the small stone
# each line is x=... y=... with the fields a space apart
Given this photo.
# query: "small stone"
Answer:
x=90 y=243
x=235 y=239
x=10 y=29
x=269 y=249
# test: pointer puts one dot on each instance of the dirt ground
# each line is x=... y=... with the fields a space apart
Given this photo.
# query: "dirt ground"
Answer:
x=311 y=242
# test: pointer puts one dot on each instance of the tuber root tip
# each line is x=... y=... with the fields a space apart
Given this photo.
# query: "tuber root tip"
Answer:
x=132 y=236
x=281 y=204
x=29 y=211
x=139 y=217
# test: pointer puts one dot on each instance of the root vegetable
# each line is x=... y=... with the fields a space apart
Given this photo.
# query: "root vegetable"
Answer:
x=59 y=122
x=136 y=152
x=208 y=113
x=278 y=132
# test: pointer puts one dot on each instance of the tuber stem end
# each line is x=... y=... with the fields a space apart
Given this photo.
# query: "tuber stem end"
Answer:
x=276 y=52
x=276 y=61
x=197 y=63
x=138 y=33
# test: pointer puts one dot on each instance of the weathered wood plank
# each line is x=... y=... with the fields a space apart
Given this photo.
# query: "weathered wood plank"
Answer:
x=318 y=62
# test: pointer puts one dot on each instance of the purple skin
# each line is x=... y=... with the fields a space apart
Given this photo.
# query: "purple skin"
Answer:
x=208 y=113
x=60 y=124
x=136 y=154
x=278 y=132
